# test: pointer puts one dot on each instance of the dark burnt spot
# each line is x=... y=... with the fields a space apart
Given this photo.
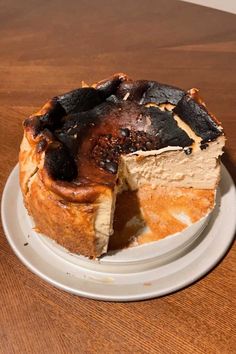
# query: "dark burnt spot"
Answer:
x=34 y=124
x=148 y=145
x=88 y=119
x=27 y=122
x=132 y=149
x=197 y=117
x=80 y=100
x=111 y=167
x=165 y=128
x=53 y=118
x=70 y=140
x=143 y=92
x=102 y=164
x=50 y=120
x=41 y=146
x=134 y=89
x=188 y=151
x=124 y=132
x=59 y=163
x=160 y=93
x=204 y=146
x=109 y=87
x=113 y=99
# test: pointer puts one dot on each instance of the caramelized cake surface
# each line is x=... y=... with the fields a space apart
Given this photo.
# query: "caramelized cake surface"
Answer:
x=84 y=147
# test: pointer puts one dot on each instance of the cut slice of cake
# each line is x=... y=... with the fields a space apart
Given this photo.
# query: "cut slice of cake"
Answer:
x=86 y=146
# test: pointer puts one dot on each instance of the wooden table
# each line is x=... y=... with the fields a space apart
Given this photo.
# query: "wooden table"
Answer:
x=48 y=47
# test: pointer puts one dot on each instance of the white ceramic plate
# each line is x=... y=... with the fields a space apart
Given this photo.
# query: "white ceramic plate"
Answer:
x=117 y=277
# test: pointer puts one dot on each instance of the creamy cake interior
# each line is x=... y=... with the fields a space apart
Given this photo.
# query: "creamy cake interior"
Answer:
x=155 y=176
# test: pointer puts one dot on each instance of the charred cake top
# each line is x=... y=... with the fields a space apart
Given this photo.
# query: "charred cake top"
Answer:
x=84 y=132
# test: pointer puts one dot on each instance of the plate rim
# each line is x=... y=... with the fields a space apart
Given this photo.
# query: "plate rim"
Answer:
x=120 y=298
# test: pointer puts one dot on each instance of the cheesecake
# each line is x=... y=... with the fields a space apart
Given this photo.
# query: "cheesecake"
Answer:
x=87 y=152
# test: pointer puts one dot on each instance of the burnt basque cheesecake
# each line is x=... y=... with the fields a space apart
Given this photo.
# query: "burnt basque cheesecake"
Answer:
x=87 y=146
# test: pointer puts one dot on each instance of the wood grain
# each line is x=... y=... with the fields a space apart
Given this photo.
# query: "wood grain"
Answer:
x=48 y=47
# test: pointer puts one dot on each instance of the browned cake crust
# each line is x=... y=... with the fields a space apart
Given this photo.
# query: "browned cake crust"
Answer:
x=71 y=148
x=61 y=210
x=69 y=223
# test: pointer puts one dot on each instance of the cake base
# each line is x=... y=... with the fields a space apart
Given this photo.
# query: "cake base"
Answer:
x=151 y=214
